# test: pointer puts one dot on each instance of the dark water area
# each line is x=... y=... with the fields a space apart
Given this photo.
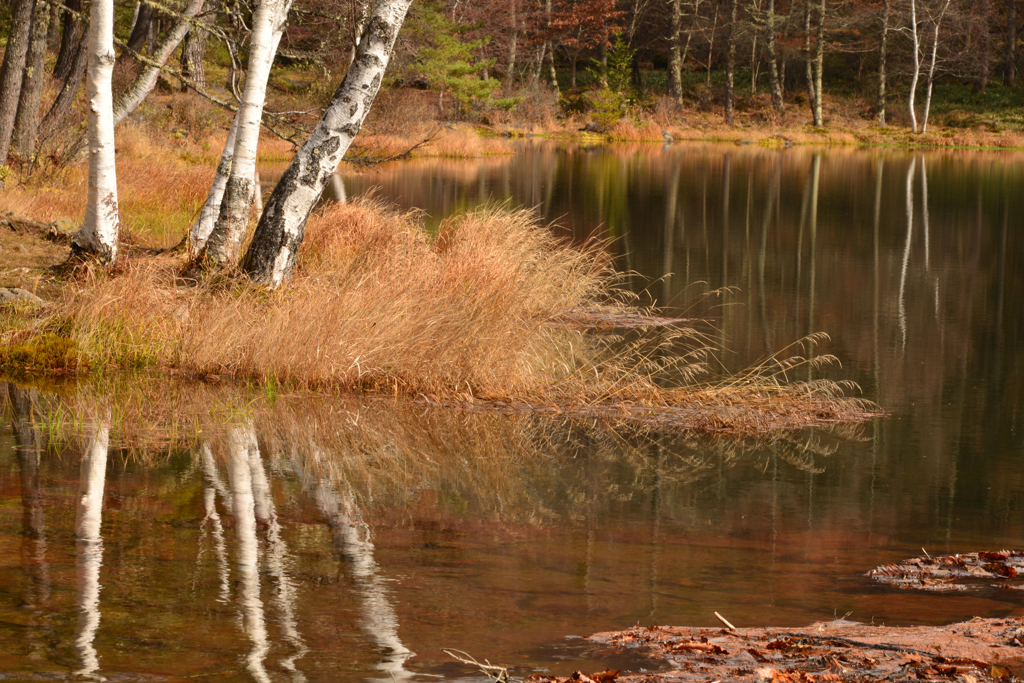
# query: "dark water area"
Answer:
x=326 y=540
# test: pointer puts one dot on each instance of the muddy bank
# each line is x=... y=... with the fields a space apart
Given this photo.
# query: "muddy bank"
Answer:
x=970 y=652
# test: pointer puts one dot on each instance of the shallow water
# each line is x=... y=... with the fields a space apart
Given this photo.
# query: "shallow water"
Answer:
x=329 y=541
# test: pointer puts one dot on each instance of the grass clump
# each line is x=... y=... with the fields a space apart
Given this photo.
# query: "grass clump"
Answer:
x=491 y=311
x=46 y=353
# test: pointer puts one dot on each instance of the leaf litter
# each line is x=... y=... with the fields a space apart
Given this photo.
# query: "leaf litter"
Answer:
x=961 y=572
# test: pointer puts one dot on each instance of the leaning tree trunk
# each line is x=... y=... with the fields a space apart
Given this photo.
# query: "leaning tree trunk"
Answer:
x=13 y=70
x=98 y=236
x=1010 y=68
x=773 y=64
x=271 y=255
x=70 y=39
x=917 y=64
x=140 y=31
x=730 y=63
x=219 y=231
x=147 y=78
x=26 y=123
x=66 y=97
x=882 y=50
x=675 y=59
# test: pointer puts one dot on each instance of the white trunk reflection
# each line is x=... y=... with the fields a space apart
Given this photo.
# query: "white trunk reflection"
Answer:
x=352 y=541
x=90 y=550
x=239 y=441
x=211 y=485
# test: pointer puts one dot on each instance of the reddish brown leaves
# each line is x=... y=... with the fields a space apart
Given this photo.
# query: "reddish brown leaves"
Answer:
x=950 y=572
x=607 y=676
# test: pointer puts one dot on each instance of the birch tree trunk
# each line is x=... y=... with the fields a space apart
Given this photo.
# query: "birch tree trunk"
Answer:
x=917 y=64
x=279 y=234
x=730 y=64
x=147 y=78
x=819 y=66
x=675 y=59
x=882 y=50
x=88 y=525
x=773 y=65
x=1010 y=67
x=931 y=68
x=13 y=70
x=808 y=62
x=513 y=39
x=98 y=235
x=233 y=217
x=26 y=123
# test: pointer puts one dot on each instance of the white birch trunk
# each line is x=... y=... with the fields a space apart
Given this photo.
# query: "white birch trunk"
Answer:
x=212 y=485
x=233 y=218
x=271 y=255
x=200 y=232
x=98 y=235
x=146 y=81
x=917 y=63
x=931 y=69
x=88 y=523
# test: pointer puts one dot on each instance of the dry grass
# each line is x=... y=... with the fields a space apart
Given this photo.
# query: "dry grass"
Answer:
x=471 y=316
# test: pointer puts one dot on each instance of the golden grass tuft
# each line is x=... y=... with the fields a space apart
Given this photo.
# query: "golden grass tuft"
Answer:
x=477 y=315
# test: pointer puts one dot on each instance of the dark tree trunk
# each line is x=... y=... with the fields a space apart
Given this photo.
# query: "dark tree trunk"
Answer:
x=66 y=97
x=984 y=10
x=70 y=39
x=193 y=51
x=773 y=62
x=13 y=70
x=1010 y=67
x=26 y=123
x=139 y=37
x=730 y=64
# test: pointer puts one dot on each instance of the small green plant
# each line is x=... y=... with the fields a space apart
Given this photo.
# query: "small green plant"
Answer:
x=617 y=99
x=45 y=353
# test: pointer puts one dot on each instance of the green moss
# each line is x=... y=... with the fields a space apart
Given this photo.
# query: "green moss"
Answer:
x=45 y=353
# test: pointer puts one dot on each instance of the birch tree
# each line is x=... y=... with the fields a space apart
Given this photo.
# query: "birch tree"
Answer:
x=271 y=256
x=218 y=232
x=775 y=83
x=98 y=235
x=916 y=38
x=882 y=54
x=936 y=21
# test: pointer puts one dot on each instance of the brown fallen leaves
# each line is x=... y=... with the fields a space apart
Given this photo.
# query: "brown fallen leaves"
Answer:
x=955 y=572
x=828 y=652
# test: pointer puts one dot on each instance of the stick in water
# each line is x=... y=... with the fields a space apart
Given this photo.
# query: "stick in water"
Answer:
x=725 y=621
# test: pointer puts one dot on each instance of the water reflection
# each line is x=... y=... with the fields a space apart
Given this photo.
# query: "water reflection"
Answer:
x=90 y=549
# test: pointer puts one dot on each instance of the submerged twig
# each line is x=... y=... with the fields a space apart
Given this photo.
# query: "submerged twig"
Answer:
x=498 y=674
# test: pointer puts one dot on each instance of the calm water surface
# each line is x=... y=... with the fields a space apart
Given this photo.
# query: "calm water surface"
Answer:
x=349 y=541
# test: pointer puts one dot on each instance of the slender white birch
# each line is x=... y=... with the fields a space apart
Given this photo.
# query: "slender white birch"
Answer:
x=98 y=235
x=226 y=238
x=212 y=485
x=89 y=520
x=282 y=225
x=208 y=217
x=917 y=64
x=146 y=81
x=931 y=68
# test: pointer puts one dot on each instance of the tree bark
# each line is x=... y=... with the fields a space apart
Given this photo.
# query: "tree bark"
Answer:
x=931 y=68
x=13 y=70
x=917 y=64
x=808 y=62
x=99 y=232
x=882 y=54
x=193 y=52
x=819 y=66
x=1010 y=67
x=773 y=65
x=139 y=36
x=730 y=64
x=26 y=123
x=70 y=40
x=675 y=58
x=271 y=255
x=225 y=240
x=513 y=39
x=984 y=10
x=147 y=78
x=66 y=97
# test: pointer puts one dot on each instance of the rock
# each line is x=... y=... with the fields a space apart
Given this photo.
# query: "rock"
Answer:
x=592 y=127
x=11 y=294
x=61 y=230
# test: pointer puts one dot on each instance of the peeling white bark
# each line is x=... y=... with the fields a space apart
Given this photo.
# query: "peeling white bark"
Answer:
x=98 y=235
x=917 y=64
x=239 y=191
x=271 y=255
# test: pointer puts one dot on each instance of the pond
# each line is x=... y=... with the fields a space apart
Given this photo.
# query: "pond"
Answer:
x=271 y=538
